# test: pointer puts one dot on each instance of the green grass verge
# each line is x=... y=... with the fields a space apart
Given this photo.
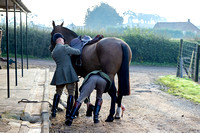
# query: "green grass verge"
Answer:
x=153 y=64
x=182 y=87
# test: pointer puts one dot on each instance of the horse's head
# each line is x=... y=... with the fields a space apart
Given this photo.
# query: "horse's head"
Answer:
x=67 y=33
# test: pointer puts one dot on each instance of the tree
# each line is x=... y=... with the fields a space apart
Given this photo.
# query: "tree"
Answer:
x=143 y=18
x=102 y=16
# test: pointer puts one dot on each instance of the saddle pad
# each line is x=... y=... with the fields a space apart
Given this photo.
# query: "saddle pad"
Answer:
x=76 y=43
x=79 y=42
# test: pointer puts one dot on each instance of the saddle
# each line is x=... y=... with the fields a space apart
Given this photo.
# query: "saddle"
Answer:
x=80 y=42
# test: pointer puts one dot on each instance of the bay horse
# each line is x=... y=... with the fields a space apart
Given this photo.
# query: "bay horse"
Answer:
x=111 y=55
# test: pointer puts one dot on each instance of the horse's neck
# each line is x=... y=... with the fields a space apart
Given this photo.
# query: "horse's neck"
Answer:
x=68 y=38
x=69 y=35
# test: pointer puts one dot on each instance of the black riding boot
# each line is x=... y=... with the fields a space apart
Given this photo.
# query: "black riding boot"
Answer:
x=75 y=109
x=69 y=106
x=97 y=108
x=56 y=100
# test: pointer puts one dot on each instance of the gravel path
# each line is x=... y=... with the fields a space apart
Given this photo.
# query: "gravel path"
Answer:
x=148 y=109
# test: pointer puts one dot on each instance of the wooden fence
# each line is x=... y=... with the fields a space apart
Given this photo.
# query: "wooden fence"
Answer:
x=188 y=60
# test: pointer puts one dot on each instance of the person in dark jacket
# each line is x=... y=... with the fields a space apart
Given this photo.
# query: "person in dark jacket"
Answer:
x=64 y=75
x=95 y=80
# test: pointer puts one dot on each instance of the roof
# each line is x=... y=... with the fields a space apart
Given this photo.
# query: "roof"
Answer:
x=19 y=6
x=183 y=26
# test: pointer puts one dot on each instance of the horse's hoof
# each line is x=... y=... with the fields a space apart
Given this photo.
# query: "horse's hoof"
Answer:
x=90 y=110
x=77 y=114
x=109 y=119
x=116 y=117
x=53 y=115
x=68 y=122
x=59 y=109
x=96 y=121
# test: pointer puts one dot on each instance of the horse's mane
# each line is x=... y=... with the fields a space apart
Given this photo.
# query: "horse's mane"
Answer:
x=70 y=31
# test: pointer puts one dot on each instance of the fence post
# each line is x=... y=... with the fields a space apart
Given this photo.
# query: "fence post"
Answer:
x=196 y=74
x=178 y=74
x=0 y=40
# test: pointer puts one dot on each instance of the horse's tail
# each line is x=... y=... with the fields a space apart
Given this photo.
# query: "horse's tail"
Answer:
x=123 y=74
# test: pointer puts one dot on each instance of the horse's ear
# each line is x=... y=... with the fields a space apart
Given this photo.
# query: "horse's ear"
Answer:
x=62 y=24
x=53 y=23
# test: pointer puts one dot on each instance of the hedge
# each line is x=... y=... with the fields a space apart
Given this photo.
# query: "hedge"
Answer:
x=145 y=46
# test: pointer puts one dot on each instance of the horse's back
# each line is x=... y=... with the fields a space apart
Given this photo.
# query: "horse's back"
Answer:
x=105 y=55
x=112 y=44
x=109 y=52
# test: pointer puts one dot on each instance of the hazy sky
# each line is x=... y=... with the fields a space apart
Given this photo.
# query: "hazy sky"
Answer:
x=73 y=11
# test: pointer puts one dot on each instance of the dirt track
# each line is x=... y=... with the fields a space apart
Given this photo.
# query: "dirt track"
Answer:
x=148 y=109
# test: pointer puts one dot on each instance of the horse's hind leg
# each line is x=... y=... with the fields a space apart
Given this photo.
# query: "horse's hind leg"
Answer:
x=119 y=107
x=112 y=93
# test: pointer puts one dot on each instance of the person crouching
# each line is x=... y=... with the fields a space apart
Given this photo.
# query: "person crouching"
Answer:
x=95 y=80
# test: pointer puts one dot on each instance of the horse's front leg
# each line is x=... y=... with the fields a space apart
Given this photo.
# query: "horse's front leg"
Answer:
x=112 y=93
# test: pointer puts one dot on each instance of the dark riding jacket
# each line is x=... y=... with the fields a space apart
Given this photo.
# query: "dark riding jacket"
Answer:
x=65 y=72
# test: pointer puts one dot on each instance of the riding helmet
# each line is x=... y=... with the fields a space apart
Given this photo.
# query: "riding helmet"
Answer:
x=56 y=36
